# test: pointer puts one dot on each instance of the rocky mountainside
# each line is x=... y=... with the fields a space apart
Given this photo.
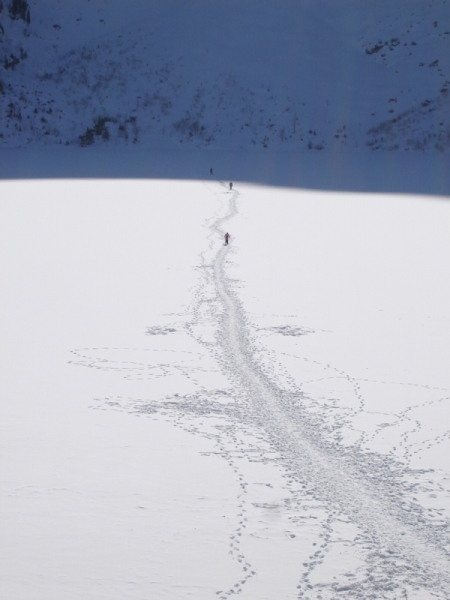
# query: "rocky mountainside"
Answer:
x=286 y=75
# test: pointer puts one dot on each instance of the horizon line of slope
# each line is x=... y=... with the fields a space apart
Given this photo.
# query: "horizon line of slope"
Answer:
x=353 y=170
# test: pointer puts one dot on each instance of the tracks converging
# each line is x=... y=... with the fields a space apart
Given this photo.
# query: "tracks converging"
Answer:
x=396 y=548
x=402 y=549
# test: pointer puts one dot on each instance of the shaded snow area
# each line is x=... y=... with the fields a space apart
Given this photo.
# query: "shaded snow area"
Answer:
x=184 y=419
x=256 y=74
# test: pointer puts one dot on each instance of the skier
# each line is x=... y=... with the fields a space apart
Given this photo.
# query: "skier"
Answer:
x=211 y=171
x=231 y=186
x=227 y=237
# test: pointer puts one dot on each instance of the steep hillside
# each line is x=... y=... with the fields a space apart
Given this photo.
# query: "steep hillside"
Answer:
x=226 y=73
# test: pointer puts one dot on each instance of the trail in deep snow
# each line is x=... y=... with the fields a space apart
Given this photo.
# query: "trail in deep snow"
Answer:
x=357 y=533
x=403 y=549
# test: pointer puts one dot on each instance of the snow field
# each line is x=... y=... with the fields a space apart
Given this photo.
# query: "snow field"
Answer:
x=267 y=419
x=344 y=484
x=90 y=498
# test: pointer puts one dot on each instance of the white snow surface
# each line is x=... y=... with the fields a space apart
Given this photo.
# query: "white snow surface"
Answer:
x=183 y=419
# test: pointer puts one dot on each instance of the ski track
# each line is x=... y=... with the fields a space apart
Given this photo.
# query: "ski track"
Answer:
x=393 y=535
x=260 y=418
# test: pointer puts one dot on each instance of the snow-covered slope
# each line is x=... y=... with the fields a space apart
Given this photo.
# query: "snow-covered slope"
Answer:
x=227 y=74
x=181 y=419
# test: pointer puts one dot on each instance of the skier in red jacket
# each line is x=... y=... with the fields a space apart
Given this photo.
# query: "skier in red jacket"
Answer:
x=227 y=237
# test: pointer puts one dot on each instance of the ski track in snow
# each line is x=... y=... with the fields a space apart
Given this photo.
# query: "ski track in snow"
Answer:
x=360 y=498
x=391 y=534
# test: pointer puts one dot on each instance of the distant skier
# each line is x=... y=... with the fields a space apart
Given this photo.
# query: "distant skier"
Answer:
x=226 y=237
x=231 y=185
x=211 y=171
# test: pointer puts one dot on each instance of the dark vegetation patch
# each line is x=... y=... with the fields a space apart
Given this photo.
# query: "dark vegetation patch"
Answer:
x=19 y=9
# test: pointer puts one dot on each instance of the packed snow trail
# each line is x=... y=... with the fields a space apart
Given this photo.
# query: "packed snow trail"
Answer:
x=313 y=514
x=403 y=549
